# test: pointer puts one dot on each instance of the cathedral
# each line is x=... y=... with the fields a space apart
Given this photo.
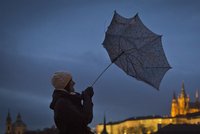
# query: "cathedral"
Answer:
x=183 y=111
x=18 y=127
x=182 y=104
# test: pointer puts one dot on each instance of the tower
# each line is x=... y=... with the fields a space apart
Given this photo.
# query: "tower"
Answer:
x=181 y=105
x=19 y=127
x=8 y=124
x=197 y=103
x=174 y=106
x=183 y=101
x=104 y=126
x=197 y=96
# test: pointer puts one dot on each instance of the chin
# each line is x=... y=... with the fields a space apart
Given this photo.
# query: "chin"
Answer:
x=72 y=89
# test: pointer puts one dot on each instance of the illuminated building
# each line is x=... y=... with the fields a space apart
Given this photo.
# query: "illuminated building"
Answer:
x=182 y=105
x=182 y=112
x=18 y=127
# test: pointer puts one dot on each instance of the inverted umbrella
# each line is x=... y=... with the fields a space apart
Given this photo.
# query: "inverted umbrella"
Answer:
x=136 y=50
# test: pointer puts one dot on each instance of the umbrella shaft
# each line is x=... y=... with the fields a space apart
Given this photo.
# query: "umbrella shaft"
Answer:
x=107 y=67
x=117 y=56
x=101 y=74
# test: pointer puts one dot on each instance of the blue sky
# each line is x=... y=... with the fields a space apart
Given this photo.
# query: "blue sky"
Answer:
x=39 y=37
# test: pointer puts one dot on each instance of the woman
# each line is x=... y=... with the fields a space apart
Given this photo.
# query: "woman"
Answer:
x=72 y=111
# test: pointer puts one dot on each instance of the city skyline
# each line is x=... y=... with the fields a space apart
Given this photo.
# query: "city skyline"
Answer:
x=175 y=96
x=38 y=38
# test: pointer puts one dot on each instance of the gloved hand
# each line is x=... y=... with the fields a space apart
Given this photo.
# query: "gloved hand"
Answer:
x=88 y=92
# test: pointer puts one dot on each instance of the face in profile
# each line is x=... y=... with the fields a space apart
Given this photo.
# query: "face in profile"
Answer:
x=71 y=86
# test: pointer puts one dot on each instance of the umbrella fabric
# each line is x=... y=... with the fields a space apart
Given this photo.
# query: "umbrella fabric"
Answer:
x=138 y=50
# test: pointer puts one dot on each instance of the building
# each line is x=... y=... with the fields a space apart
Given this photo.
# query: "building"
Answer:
x=180 y=129
x=18 y=127
x=52 y=130
x=182 y=112
x=182 y=104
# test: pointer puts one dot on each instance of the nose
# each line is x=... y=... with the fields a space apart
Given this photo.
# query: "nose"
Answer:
x=73 y=82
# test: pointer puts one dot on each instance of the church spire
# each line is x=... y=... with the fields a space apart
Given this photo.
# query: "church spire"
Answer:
x=183 y=101
x=174 y=95
x=174 y=106
x=183 y=86
x=19 y=117
x=8 y=123
x=8 y=118
x=183 y=94
x=104 y=125
x=197 y=95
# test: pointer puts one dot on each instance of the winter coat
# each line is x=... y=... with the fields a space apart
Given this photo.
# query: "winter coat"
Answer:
x=71 y=115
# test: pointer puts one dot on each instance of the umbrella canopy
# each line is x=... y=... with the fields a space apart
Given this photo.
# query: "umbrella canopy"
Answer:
x=136 y=50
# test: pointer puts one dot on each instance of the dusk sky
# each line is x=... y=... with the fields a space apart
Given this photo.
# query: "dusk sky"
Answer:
x=40 y=37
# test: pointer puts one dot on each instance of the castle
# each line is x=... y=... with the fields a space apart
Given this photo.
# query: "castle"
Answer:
x=182 y=112
x=18 y=127
x=182 y=105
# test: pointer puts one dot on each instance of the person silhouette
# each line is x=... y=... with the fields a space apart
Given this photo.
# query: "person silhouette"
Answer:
x=72 y=111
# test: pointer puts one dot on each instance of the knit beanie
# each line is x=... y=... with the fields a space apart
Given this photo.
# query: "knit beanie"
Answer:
x=61 y=79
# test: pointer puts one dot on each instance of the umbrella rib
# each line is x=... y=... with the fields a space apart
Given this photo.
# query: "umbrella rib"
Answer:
x=136 y=59
x=114 y=35
x=150 y=42
x=128 y=59
x=130 y=49
x=157 y=67
x=136 y=73
x=143 y=45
